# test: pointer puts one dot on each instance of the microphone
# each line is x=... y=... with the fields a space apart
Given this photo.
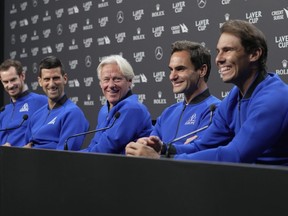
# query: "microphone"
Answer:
x=116 y=116
x=212 y=109
x=24 y=118
x=168 y=149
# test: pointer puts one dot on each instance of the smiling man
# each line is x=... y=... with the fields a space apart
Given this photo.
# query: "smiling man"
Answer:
x=22 y=103
x=51 y=125
x=115 y=76
x=251 y=123
x=189 y=65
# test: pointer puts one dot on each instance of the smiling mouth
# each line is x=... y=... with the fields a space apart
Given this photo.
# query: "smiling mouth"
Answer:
x=113 y=91
x=52 y=91
x=12 y=90
x=177 y=83
x=224 y=70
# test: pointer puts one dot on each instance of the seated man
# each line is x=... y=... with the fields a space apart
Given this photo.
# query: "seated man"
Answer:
x=251 y=123
x=190 y=65
x=116 y=81
x=50 y=126
x=23 y=104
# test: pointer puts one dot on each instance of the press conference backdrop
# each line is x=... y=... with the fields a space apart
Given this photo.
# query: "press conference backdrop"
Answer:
x=82 y=32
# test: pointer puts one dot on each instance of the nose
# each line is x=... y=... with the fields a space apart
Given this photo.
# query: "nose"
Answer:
x=111 y=83
x=173 y=75
x=10 y=85
x=219 y=58
x=51 y=82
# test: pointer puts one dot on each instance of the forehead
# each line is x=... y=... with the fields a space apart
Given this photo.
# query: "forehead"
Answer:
x=7 y=74
x=180 y=58
x=51 y=72
x=111 y=70
x=228 y=40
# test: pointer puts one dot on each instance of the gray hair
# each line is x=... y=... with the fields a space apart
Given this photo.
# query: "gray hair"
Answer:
x=123 y=64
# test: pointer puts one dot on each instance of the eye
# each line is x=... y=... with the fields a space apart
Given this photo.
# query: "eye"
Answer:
x=180 y=68
x=56 y=78
x=105 y=80
x=228 y=49
x=117 y=79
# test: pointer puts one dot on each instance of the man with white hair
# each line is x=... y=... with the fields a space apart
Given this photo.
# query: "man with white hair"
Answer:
x=132 y=119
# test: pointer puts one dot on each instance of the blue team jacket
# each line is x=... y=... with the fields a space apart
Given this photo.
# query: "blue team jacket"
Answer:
x=251 y=129
x=12 y=116
x=134 y=122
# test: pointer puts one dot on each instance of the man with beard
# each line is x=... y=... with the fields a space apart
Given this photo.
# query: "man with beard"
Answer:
x=15 y=116
x=51 y=125
x=190 y=65
x=251 y=123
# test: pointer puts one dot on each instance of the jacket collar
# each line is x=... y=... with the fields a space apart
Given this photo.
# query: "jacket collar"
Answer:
x=129 y=93
x=201 y=97
x=60 y=102
x=22 y=95
x=259 y=78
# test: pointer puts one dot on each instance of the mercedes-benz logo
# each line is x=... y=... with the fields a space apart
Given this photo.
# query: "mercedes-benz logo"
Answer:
x=34 y=68
x=88 y=61
x=158 y=53
x=13 y=39
x=35 y=3
x=59 y=29
x=120 y=16
x=201 y=3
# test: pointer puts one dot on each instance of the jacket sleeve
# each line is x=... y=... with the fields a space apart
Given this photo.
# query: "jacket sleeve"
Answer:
x=73 y=123
x=263 y=125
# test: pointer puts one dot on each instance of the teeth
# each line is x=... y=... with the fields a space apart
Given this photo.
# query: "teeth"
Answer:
x=223 y=69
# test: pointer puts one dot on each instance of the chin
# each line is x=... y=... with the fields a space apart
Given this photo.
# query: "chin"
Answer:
x=113 y=101
x=177 y=90
x=227 y=80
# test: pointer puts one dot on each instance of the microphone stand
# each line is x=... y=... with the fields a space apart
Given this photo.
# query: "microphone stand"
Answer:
x=25 y=117
x=169 y=150
x=116 y=116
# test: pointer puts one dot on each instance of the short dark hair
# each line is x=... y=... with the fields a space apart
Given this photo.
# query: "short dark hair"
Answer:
x=50 y=62
x=251 y=38
x=199 y=55
x=12 y=63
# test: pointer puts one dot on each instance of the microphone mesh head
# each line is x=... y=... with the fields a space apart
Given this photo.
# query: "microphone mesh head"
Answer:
x=25 y=117
x=212 y=107
x=117 y=114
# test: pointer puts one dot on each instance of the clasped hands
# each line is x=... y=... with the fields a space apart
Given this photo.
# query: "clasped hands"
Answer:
x=146 y=147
